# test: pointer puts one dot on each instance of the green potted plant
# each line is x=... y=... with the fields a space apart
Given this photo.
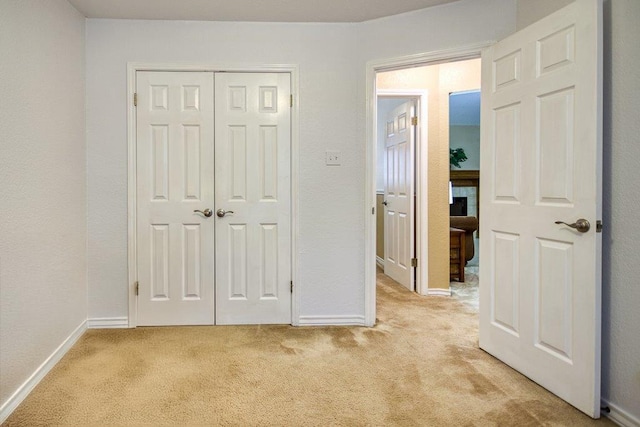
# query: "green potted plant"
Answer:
x=457 y=156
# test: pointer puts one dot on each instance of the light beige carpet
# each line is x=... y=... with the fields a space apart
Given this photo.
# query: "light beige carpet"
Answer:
x=420 y=366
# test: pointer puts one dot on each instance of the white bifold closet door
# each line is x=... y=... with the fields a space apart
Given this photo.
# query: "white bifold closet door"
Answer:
x=213 y=238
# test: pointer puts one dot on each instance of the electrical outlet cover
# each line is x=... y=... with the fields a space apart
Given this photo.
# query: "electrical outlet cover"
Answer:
x=333 y=158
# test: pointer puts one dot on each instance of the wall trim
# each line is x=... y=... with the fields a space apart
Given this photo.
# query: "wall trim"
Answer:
x=380 y=262
x=439 y=292
x=619 y=415
x=372 y=67
x=349 y=320
x=23 y=391
x=132 y=68
x=108 y=322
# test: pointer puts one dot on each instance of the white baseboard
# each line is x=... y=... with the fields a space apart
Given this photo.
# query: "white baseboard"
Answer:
x=440 y=292
x=380 y=262
x=108 y=323
x=23 y=391
x=619 y=415
x=332 y=321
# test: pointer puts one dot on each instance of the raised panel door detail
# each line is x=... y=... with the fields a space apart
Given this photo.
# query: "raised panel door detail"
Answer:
x=191 y=98
x=268 y=162
x=402 y=122
x=556 y=50
x=554 y=295
x=159 y=262
x=391 y=170
x=192 y=160
x=237 y=99
x=159 y=98
x=191 y=261
x=269 y=261
x=238 y=160
x=238 y=261
x=160 y=161
x=268 y=99
x=554 y=143
x=402 y=169
x=507 y=153
x=403 y=250
x=391 y=128
x=392 y=230
x=507 y=70
x=505 y=282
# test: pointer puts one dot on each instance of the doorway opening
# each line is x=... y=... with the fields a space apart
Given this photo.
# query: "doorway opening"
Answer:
x=438 y=76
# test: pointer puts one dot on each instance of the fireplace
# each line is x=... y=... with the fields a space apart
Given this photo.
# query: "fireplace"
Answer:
x=458 y=207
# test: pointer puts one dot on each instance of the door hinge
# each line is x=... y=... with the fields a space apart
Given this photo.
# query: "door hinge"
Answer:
x=291 y=283
x=414 y=262
x=137 y=287
x=290 y=100
x=414 y=121
x=135 y=99
x=599 y=226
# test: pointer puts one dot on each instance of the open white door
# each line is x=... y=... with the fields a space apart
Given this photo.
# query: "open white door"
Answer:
x=399 y=197
x=253 y=198
x=174 y=178
x=540 y=297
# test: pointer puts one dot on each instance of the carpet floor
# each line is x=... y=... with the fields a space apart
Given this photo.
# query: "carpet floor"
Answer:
x=419 y=366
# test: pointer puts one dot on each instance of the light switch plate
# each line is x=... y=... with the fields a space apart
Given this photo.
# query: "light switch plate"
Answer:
x=333 y=158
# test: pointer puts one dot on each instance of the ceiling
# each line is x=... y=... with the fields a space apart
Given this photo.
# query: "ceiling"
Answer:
x=251 y=10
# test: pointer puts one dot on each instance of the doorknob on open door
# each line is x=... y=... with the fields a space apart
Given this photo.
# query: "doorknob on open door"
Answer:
x=582 y=225
x=207 y=212
x=385 y=203
x=222 y=212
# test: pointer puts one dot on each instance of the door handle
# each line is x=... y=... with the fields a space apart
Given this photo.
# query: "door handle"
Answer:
x=582 y=225
x=222 y=212
x=385 y=203
x=207 y=212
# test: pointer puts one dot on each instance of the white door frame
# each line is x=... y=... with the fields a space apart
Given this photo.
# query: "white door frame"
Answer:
x=372 y=68
x=132 y=69
x=420 y=157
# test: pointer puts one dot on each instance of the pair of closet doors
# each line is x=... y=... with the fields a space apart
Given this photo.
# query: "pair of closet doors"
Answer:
x=213 y=198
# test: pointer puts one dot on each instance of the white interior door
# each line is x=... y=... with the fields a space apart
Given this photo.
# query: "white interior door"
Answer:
x=175 y=177
x=399 y=198
x=253 y=185
x=540 y=298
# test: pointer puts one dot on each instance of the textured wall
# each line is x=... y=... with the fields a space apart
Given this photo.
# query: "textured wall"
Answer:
x=621 y=235
x=331 y=204
x=330 y=231
x=43 y=292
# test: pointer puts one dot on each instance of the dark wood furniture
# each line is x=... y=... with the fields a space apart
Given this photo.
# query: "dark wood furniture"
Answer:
x=467 y=178
x=456 y=254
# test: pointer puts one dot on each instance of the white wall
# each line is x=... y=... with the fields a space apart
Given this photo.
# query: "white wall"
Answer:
x=43 y=291
x=330 y=232
x=331 y=59
x=621 y=235
x=467 y=138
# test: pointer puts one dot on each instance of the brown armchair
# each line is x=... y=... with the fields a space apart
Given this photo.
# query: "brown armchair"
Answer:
x=469 y=224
